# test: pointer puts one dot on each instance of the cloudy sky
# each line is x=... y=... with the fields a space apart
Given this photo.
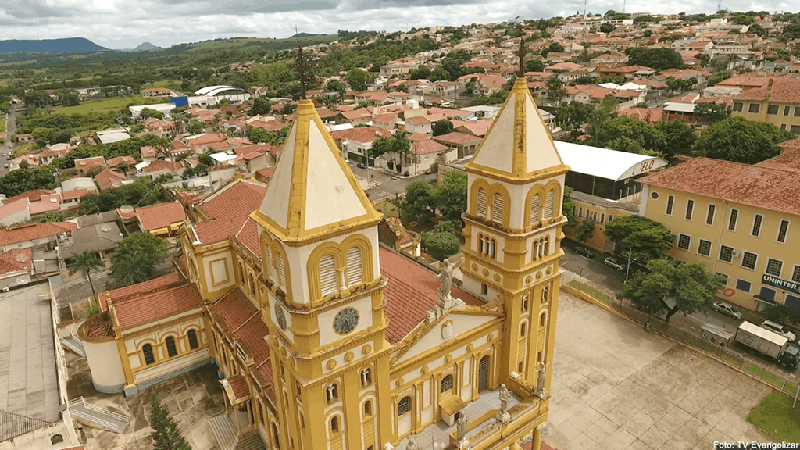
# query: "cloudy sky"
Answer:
x=128 y=23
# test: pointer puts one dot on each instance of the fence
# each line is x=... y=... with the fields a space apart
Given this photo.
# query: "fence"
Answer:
x=763 y=371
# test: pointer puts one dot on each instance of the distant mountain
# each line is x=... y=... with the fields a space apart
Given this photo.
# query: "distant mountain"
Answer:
x=66 y=45
x=145 y=47
x=307 y=35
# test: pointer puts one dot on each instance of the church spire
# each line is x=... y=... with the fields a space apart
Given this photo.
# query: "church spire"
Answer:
x=518 y=146
x=312 y=192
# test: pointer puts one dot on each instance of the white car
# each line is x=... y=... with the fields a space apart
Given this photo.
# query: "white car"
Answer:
x=611 y=262
x=778 y=328
x=726 y=309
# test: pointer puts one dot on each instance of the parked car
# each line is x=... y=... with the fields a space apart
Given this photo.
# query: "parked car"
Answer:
x=778 y=328
x=611 y=262
x=726 y=309
x=361 y=165
x=583 y=251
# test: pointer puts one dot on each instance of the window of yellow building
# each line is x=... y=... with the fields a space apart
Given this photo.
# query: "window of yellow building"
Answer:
x=172 y=350
x=704 y=247
x=772 y=110
x=786 y=110
x=796 y=274
x=710 y=216
x=726 y=253
x=774 y=267
x=684 y=242
x=689 y=209
x=797 y=111
x=782 y=230
x=404 y=406
x=732 y=220
x=757 y=225
x=738 y=106
x=749 y=260
x=754 y=108
x=447 y=383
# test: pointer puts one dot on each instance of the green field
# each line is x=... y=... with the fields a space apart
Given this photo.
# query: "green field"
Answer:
x=2 y=123
x=776 y=417
x=162 y=83
x=106 y=105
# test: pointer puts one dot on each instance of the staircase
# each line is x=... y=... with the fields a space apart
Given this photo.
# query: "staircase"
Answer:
x=74 y=344
x=95 y=416
x=13 y=425
x=224 y=431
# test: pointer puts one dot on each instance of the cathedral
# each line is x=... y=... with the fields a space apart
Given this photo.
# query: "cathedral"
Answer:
x=325 y=339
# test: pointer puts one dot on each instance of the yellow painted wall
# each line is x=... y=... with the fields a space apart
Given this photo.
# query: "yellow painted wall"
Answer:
x=780 y=120
x=601 y=215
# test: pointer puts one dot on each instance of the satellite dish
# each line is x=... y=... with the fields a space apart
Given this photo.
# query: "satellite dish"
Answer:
x=105 y=227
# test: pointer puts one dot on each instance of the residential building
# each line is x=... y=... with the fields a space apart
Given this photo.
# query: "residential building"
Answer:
x=161 y=220
x=777 y=102
x=465 y=144
x=739 y=220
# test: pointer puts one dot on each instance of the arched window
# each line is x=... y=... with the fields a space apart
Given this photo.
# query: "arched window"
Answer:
x=544 y=294
x=172 y=350
x=253 y=285
x=493 y=248
x=536 y=203
x=447 y=383
x=327 y=275
x=404 y=406
x=331 y=392
x=524 y=303
x=481 y=210
x=192 y=335
x=276 y=436
x=535 y=252
x=149 y=358
x=523 y=329
x=335 y=424
x=355 y=270
x=270 y=265
x=366 y=377
x=546 y=246
x=368 y=408
x=550 y=205
x=497 y=208
x=542 y=319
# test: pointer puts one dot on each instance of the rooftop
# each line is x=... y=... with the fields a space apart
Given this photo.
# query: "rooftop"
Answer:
x=29 y=232
x=160 y=216
x=135 y=311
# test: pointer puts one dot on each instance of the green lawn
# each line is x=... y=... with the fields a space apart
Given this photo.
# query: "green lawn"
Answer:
x=162 y=83
x=388 y=209
x=2 y=123
x=776 y=416
x=103 y=105
x=590 y=290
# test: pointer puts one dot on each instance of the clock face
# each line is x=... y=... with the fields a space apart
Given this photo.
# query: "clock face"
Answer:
x=280 y=316
x=345 y=321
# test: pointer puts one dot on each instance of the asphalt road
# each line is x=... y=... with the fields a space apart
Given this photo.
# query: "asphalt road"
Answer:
x=5 y=150
x=594 y=270
x=384 y=185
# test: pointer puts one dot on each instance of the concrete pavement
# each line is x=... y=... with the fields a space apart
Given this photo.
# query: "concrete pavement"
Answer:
x=617 y=386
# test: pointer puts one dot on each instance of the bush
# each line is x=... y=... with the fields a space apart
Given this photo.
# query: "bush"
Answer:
x=405 y=174
x=443 y=242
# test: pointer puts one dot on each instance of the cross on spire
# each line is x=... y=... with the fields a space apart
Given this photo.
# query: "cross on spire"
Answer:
x=522 y=52
x=303 y=65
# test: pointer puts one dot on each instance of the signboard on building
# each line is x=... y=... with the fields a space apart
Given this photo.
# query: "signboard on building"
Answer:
x=784 y=285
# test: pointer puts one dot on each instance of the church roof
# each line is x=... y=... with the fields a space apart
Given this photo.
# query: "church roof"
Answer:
x=312 y=190
x=518 y=146
x=410 y=293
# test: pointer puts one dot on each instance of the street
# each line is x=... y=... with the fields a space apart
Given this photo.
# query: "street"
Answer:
x=612 y=280
x=7 y=149
x=383 y=185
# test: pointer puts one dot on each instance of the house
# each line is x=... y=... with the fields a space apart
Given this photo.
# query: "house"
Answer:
x=161 y=220
x=465 y=144
x=155 y=92
x=109 y=179
x=777 y=102
x=158 y=168
x=53 y=152
x=424 y=154
x=14 y=211
x=99 y=239
x=34 y=235
x=16 y=267
x=387 y=121
x=128 y=161
x=418 y=125
x=25 y=138
x=356 y=142
x=86 y=165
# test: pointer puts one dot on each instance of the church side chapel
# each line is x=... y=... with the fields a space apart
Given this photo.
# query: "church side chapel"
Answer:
x=325 y=339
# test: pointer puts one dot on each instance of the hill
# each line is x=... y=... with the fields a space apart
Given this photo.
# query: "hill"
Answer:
x=66 y=45
x=145 y=46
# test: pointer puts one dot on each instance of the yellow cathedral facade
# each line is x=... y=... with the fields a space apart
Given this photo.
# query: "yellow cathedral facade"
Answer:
x=325 y=339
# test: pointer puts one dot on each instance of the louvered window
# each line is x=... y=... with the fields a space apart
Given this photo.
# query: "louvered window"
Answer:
x=327 y=275
x=193 y=344
x=548 y=208
x=355 y=272
x=281 y=272
x=172 y=350
x=536 y=203
x=497 y=208
x=270 y=266
x=147 y=350
x=481 y=203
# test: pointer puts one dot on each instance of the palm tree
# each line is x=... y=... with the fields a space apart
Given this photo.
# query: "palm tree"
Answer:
x=86 y=262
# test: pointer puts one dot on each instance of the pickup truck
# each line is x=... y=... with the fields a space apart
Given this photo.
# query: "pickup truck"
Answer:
x=768 y=343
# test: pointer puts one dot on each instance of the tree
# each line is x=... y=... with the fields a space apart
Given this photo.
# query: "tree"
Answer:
x=451 y=196
x=195 y=127
x=740 y=140
x=679 y=137
x=534 y=65
x=656 y=58
x=136 y=257
x=555 y=89
x=165 y=430
x=791 y=31
x=606 y=28
x=337 y=86
x=86 y=262
x=260 y=107
x=443 y=242
x=566 y=207
x=642 y=239
x=712 y=112
x=419 y=201
x=666 y=288
x=358 y=79
x=585 y=230
x=421 y=73
x=442 y=126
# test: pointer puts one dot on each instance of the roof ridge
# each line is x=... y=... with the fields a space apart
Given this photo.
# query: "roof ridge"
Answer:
x=257 y=312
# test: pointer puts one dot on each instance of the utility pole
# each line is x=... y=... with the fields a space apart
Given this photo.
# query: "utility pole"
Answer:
x=628 y=269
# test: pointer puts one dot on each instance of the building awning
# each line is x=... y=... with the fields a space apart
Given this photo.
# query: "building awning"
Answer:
x=452 y=404
x=606 y=163
x=236 y=389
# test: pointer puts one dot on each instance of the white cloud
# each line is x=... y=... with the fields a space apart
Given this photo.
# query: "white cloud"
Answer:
x=125 y=23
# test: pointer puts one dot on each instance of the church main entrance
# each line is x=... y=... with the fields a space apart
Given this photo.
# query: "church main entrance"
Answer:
x=483 y=373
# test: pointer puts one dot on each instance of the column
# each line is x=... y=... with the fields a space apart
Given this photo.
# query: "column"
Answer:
x=537 y=438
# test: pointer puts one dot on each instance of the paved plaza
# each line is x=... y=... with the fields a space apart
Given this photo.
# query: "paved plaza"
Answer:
x=618 y=387
x=28 y=381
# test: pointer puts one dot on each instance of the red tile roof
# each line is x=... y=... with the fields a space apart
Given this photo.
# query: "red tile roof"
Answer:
x=248 y=236
x=219 y=229
x=239 y=387
x=788 y=160
x=34 y=195
x=456 y=138
x=237 y=199
x=234 y=309
x=108 y=179
x=33 y=231
x=762 y=187
x=427 y=146
x=644 y=114
x=208 y=139
x=361 y=134
x=149 y=286
x=266 y=174
x=78 y=193
x=159 y=165
x=158 y=305
x=791 y=144
x=13 y=207
x=114 y=162
x=410 y=293
x=16 y=259
x=160 y=216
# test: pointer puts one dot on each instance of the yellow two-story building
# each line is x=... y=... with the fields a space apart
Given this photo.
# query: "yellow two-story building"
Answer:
x=742 y=221
x=776 y=101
